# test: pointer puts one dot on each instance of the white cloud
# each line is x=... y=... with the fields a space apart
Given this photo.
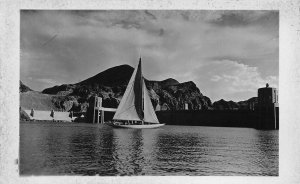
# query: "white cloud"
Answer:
x=232 y=80
x=184 y=45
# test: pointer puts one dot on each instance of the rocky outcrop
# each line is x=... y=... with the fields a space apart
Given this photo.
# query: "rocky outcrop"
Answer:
x=64 y=103
x=40 y=101
x=111 y=85
x=249 y=104
x=58 y=100
x=64 y=89
x=176 y=96
x=23 y=88
x=225 y=105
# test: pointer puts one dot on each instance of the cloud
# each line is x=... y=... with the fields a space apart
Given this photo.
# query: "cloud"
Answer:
x=244 y=18
x=70 y=46
x=228 y=78
x=216 y=78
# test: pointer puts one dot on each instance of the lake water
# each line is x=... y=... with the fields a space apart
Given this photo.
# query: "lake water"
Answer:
x=85 y=149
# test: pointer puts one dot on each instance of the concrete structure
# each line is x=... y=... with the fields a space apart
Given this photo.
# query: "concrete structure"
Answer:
x=98 y=110
x=268 y=109
x=218 y=118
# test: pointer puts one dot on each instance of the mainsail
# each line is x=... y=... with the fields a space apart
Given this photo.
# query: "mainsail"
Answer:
x=138 y=91
x=136 y=104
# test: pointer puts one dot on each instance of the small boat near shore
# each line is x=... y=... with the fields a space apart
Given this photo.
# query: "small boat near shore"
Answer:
x=135 y=109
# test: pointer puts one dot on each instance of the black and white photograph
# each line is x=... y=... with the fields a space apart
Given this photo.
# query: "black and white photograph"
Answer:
x=149 y=92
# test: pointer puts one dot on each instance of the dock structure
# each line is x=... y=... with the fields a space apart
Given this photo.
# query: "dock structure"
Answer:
x=98 y=110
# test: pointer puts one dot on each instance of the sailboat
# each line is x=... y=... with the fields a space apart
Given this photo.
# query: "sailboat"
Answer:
x=135 y=109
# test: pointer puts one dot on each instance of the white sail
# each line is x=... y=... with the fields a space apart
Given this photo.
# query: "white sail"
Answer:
x=149 y=113
x=126 y=109
x=136 y=103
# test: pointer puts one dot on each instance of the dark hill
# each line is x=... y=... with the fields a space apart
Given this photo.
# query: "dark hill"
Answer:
x=116 y=76
x=111 y=84
x=230 y=105
x=169 y=82
x=164 y=83
x=225 y=105
x=177 y=95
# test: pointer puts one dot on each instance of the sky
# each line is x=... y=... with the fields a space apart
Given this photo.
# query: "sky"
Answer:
x=227 y=54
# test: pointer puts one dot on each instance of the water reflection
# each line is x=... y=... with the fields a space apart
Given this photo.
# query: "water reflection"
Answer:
x=217 y=151
x=83 y=149
x=92 y=151
x=185 y=152
x=134 y=150
x=267 y=147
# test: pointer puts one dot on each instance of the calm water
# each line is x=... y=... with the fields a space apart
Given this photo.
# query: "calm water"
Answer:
x=85 y=149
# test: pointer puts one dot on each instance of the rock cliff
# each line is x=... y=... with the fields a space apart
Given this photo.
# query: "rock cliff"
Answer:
x=231 y=105
x=111 y=84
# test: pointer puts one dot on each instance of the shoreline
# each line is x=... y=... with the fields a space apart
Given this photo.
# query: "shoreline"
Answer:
x=95 y=124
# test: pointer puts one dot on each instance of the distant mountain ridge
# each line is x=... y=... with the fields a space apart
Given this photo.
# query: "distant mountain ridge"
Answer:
x=115 y=76
x=231 y=105
x=110 y=84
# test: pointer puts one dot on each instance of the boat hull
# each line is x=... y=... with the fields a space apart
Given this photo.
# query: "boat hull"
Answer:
x=148 y=126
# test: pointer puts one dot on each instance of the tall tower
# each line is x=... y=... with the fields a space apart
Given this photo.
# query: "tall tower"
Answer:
x=268 y=108
x=96 y=112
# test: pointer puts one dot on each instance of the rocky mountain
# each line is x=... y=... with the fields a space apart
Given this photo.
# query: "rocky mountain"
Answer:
x=33 y=99
x=231 y=105
x=110 y=84
x=225 y=105
x=40 y=101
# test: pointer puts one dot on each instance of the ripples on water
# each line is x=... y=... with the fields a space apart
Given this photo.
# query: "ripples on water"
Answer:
x=86 y=149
